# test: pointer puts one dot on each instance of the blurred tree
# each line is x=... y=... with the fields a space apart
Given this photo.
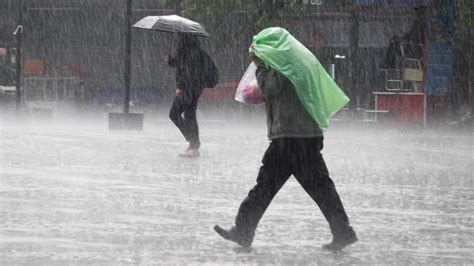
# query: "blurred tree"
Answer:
x=259 y=13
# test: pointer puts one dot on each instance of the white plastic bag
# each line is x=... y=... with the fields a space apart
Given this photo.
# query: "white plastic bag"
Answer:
x=248 y=91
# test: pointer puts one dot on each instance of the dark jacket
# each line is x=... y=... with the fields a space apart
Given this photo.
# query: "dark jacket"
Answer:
x=286 y=115
x=418 y=28
x=189 y=61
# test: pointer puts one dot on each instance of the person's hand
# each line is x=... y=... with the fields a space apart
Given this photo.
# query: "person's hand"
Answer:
x=251 y=57
x=168 y=58
x=178 y=92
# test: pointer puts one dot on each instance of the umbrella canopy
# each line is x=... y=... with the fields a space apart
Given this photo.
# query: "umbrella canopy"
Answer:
x=171 y=23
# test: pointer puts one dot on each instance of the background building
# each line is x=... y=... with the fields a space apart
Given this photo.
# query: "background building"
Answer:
x=85 y=40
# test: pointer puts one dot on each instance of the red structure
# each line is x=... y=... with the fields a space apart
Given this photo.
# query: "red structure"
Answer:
x=402 y=108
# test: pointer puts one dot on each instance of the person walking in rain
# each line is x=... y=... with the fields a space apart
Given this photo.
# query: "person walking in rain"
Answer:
x=194 y=71
x=296 y=90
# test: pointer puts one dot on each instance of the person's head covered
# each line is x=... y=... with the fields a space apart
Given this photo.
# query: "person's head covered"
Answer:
x=318 y=92
x=270 y=40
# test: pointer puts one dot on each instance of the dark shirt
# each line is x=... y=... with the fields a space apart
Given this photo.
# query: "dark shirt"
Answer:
x=189 y=62
x=417 y=30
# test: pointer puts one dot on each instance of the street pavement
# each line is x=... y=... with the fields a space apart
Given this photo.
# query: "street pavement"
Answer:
x=72 y=192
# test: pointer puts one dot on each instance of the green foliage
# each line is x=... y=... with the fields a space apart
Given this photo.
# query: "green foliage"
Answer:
x=258 y=13
x=203 y=7
x=208 y=7
x=212 y=13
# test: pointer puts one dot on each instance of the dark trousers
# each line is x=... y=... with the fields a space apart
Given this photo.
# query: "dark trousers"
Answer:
x=300 y=157
x=183 y=115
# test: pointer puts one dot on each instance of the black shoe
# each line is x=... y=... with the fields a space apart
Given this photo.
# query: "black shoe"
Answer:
x=233 y=235
x=340 y=243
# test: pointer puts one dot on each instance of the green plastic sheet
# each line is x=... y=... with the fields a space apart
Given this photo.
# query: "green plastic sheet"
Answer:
x=317 y=91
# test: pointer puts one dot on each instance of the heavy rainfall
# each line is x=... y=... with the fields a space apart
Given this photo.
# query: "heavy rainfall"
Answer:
x=96 y=112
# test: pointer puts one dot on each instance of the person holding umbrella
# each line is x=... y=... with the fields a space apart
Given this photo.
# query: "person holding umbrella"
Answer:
x=190 y=61
x=195 y=70
x=300 y=97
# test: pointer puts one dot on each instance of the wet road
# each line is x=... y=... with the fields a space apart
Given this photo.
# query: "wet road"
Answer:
x=77 y=194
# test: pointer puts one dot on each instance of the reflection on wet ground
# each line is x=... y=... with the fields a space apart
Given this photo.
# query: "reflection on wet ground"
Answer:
x=75 y=195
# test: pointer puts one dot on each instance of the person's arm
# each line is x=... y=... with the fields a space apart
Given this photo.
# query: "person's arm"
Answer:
x=269 y=80
x=181 y=82
x=170 y=60
x=261 y=73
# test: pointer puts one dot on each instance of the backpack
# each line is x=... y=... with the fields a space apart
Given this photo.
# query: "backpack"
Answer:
x=210 y=73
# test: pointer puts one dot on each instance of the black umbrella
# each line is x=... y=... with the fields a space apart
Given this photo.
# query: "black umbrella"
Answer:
x=171 y=23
